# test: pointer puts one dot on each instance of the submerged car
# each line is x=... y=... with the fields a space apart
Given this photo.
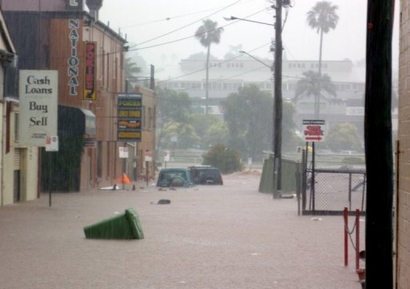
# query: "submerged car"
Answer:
x=205 y=175
x=174 y=177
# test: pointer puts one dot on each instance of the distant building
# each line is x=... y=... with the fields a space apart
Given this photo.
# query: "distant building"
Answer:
x=226 y=76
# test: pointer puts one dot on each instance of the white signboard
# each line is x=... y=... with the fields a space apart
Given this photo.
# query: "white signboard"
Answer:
x=51 y=143
x=167 y=155
x=123 y=152
x=38 y=106
x=313 y=130
x=148 y=156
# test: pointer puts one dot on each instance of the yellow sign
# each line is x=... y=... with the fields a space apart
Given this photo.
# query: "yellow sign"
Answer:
x=129 y=113
x=129 y=134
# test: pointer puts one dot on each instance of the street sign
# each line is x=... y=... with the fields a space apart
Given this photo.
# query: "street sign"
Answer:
x=148 y=156
x=123 y=152
x=313 y=130
x=166 y=156
x=51 y=143
x=129 y=111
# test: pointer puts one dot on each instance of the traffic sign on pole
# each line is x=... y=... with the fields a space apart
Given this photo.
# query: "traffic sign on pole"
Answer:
x=313 y=130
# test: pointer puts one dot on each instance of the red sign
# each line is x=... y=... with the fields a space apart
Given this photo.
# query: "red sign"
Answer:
x=90 y=71
x=313 y=130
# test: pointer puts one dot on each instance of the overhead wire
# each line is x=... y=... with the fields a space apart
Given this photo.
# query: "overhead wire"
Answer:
x=187 y=25
x=181 y=39
x=178 y=16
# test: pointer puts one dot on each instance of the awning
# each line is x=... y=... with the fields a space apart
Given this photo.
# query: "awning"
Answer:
x=74 y=120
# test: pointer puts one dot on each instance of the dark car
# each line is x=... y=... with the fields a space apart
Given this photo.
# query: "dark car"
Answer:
x=174 y=177
x=205 y=175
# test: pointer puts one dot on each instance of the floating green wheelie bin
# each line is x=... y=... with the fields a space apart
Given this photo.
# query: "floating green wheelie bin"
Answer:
x=123 y=226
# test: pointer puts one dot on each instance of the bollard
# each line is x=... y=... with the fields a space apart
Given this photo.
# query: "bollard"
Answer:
x=346 y=245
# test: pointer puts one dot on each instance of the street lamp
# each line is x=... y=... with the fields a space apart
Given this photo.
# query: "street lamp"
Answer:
x=277 y=106
x=251 y=56
x=243 y=19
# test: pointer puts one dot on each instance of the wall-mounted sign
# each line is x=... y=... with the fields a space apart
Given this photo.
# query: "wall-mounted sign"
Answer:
x=38 y=106
x=148 y=156
x=73 y=61
x=123 y=152
x=51 y=143
x=129 y=107
x=90 y=71
x=76 y=5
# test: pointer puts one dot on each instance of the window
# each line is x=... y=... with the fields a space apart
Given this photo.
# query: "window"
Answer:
x=16 y=127
x=143 y=115
x=150 y=117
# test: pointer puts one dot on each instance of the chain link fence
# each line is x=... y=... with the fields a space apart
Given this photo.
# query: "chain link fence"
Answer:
x=328 y=189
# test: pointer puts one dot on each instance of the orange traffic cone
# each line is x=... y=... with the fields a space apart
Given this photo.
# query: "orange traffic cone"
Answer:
x=123 y=179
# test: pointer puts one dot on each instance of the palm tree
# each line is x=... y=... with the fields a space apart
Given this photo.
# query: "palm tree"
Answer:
x=314 y=83
x=207 y=34
x=322 y=17
x=131 y=68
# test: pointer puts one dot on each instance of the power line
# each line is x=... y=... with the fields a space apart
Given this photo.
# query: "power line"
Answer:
x=187 y=25
x=178 y=16
x=180 y=39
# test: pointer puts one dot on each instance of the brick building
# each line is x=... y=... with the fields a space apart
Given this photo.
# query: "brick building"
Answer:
x=62 y=35
x=403 y=173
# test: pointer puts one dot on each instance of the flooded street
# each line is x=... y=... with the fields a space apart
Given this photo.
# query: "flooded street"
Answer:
x=225 y=237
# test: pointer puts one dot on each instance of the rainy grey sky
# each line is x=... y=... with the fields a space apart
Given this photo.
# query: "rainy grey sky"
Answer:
x=163 y=30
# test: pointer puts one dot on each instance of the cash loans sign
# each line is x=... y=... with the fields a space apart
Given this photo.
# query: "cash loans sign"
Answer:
x=38 y=106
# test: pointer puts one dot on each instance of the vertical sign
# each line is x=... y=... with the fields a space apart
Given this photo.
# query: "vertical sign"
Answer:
x=129 y=117
x=90 y=71
x=38 y=106
x=73 y=61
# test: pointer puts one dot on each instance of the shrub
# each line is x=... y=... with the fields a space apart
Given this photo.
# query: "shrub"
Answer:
x=227 y=160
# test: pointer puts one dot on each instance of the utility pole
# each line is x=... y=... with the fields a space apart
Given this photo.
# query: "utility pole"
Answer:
x=378 y=145
x=277 y=112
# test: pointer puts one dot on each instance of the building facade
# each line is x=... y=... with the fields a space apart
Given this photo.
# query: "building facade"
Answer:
x=19 y=165
x=62 y=35
x=403 y=151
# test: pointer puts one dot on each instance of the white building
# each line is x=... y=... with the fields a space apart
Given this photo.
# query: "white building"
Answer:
x=226 y=76
x=18 y=165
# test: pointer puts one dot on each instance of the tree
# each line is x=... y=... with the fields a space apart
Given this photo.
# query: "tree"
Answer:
x=289 y=138
x=180 y=136
x=226 y=159
x=313 y=83
x=217 y=133
x=131 y=68
x=343 y=136
x=322 y=17
x=202 y=124
x=172 y=108
x=207 y=34
x=248 y=116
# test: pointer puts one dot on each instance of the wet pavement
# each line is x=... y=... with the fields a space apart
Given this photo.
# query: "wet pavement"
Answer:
x=228 y=237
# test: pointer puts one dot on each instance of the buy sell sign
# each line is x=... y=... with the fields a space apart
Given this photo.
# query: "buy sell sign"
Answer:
x=313 y=130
